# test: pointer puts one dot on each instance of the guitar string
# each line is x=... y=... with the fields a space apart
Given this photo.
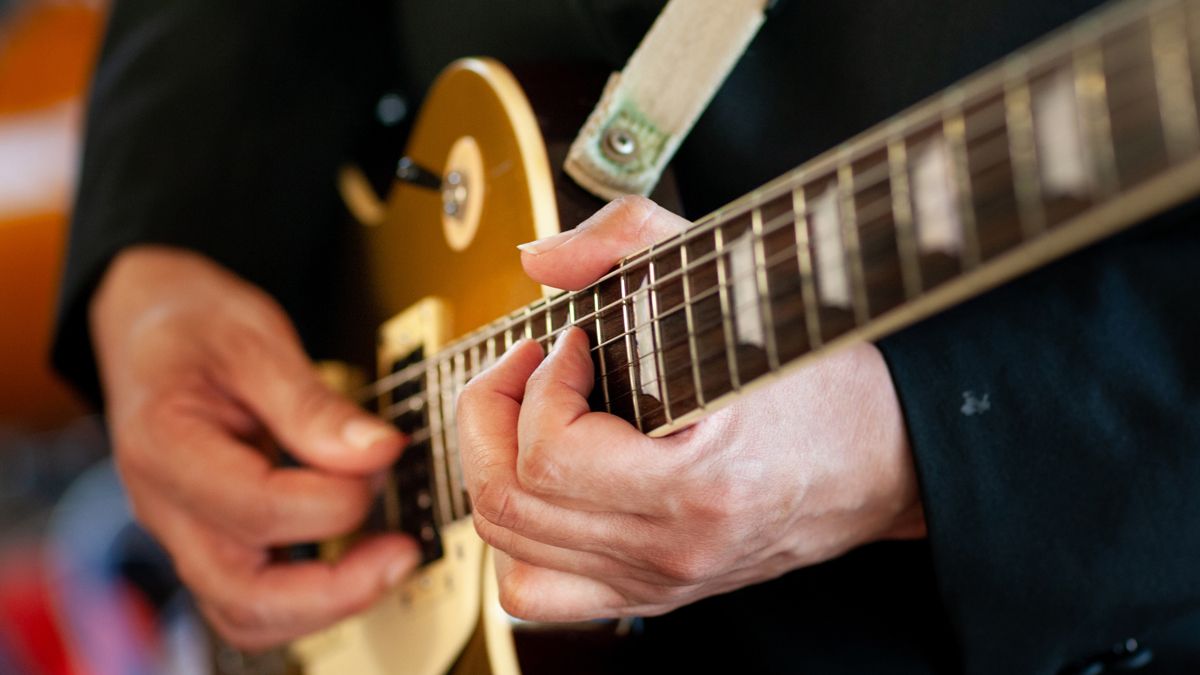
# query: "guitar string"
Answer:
x=708 y=224
x=778 y=257
x=785 y=255
x=880 y=231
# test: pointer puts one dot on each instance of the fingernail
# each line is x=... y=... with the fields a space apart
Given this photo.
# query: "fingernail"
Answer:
x=561 y=340
x=399 y=569
x=547 y=243
x=362 y=434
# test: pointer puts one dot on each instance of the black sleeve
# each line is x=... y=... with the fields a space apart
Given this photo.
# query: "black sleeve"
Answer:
x=218 y=125
x=1056 y=429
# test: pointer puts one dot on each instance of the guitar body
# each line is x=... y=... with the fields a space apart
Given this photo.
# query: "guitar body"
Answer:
x=442 y=275
x=476 y=120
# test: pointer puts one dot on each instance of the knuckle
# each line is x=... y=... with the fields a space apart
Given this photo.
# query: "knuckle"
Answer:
x=493 y=501
x=687 y=568
x=466 y=397
x=313 y=400
x=347 y=508
x=633 y=207
x=259 y=518
x=244 y=614
x=239 y=344
x=241 y=640
x=717 y=504
x=515 y=601
x=537 y=471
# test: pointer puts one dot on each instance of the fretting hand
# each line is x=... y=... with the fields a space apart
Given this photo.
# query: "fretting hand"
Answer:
x=202 y=373
x=590 y=518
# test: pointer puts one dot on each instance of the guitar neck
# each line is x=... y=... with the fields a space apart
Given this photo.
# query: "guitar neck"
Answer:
x=1061 y=144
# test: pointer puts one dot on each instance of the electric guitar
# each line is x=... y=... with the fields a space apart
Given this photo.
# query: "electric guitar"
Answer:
x=1079 y=136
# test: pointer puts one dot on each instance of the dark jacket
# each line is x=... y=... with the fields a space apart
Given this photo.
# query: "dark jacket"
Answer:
x=1062 y=522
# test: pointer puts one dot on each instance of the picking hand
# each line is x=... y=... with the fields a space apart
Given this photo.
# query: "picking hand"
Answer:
x=593 y=519
x=202 y=372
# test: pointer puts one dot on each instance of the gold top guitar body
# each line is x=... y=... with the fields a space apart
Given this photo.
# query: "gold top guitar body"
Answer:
x=439 y=256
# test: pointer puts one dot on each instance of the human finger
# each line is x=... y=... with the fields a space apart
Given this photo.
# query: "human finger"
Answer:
x=261 y=603
x=540 y=594
x=576 y=457
x=488 y=410
x=269 y=373
x=189 y=461
x=577 y=257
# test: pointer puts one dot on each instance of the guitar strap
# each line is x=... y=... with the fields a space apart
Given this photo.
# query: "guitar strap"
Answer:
x=648 y=108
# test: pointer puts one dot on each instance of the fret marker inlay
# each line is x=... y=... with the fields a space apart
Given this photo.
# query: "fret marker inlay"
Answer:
x=747 y=309
x=1060 y=146
x=644 y=340
x=935 y=199
x=833 y=279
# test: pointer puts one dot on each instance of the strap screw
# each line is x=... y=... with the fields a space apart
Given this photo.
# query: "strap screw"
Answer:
x=619 y=144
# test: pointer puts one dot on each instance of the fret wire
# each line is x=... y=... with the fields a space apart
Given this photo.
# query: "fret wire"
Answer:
x=764 y=293
x=600 y=341
x=780 y=258
x=851 y=251
x=1091 y=95
x=457 y=483
x=1177 y=104
x=1018 y=103
x=808 y=288
x=693 y=352
x=633 y=381
x=656 y=326
x=437 y=449
x=726 y=317
x=448 y=432
x=528 y=323
x=986 y=156
x=954 y=129
x=902 y=215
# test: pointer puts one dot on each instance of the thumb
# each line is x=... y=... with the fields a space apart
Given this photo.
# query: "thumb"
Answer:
x=309 y=420
x=573 y=259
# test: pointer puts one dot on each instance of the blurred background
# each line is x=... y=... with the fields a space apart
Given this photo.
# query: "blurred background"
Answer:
x=48 y=440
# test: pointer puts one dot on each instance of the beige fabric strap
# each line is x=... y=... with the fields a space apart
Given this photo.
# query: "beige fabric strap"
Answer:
x=648 y=109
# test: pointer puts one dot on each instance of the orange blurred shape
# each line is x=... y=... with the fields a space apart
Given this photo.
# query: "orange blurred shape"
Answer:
x=31 y=396
x=46 y=55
